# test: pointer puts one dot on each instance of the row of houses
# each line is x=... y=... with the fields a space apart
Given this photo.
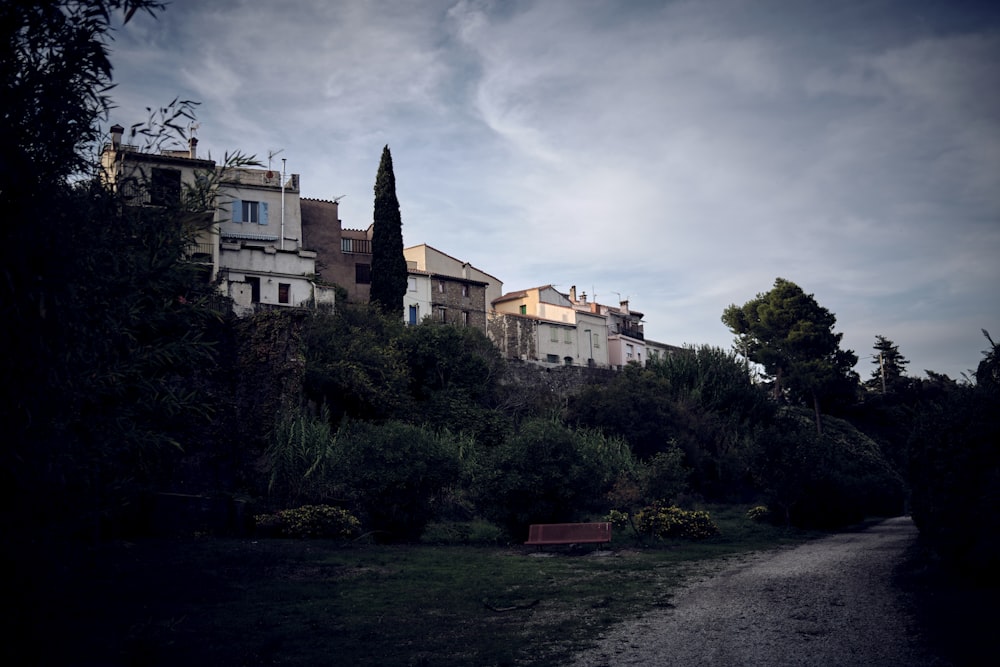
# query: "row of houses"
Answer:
x=268 y=246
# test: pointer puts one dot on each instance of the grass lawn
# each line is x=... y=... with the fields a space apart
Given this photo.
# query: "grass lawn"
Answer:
x=211 y=601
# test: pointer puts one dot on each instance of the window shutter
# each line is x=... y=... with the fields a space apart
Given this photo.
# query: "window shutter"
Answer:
x=263 y=213
x=237 y=210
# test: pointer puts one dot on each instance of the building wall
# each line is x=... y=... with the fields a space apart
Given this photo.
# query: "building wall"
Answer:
x=515 y=336
x=431 y=260
x=283 y=223
x=322 y=226
x=418 y=297
x=458 y=301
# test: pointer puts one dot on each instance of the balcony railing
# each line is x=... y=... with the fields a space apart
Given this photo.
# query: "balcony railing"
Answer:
x=631 y=332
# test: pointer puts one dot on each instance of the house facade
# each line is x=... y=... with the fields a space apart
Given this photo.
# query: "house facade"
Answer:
x=446 y=289
x=626 y=338
x=254 y=247
x=542 y=325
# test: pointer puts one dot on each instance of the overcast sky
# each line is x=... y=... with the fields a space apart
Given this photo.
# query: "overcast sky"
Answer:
x=681 y=155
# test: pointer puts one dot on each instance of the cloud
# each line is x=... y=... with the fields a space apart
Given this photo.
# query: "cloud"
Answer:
x=682 y=153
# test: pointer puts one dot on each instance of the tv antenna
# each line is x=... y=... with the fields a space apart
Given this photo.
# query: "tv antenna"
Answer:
x=270 y=154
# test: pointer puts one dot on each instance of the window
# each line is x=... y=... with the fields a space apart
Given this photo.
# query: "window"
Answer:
x=284 y=290
x=553 y=334
x=413 y=315
x=412 y=284
x=165 y=186
x=523 y=310
x=465 y=318
x=629 y=351
x=552 y=358
x=442 y=314
x=567 y=336
x=597 y=341
x=363 y=274
x=356 y=246
x=465 y=290
x=253 y=212
x=441 y=287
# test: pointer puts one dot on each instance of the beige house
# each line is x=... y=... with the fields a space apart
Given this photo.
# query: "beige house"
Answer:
x=542 y=325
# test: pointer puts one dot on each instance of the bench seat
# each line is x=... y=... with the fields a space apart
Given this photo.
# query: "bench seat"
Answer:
x=569 y=533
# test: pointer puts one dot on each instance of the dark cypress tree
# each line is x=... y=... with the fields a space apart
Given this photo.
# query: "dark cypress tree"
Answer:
x=388 y=264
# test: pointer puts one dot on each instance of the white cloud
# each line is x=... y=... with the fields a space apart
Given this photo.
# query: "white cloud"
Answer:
x=682 y=153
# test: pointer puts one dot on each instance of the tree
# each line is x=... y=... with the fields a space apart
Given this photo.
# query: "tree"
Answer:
x=792 y=336
x=389 y=277
x=890 y=366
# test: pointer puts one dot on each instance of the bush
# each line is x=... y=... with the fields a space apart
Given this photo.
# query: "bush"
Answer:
x=658 y=520
x=392 y=472
x=540 y=475
x=307 y=521
x=759 y=513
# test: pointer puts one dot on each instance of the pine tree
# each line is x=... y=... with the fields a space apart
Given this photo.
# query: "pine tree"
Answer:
x=389 y=275
x=890 y=367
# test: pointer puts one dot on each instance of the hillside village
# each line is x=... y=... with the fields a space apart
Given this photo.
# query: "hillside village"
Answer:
x=270 y=247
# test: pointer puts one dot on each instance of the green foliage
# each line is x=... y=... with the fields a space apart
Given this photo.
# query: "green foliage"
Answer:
x=302 y=457
x=665 y=476
x=392 y=472
x=662 y=521
x=389 y=273
x=759 y=513
x=824 y=480
x=546 y=473
x=955 y=471
x=309 y=521
x=354 y=363
x=700 y=400
x=788 y=332
x=889 y=374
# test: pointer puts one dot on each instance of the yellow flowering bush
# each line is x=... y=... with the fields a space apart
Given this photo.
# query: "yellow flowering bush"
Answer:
x=659 y=520
x=323 y=521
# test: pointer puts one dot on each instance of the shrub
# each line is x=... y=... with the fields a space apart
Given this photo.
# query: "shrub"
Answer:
x=392 y=472
x=658 y=520
x=322 y=521
x=540 y=475
x=759 y=513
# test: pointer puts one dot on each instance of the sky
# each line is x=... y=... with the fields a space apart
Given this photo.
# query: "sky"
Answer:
x=681 y=155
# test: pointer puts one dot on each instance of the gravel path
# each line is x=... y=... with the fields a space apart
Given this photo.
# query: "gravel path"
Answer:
x=827 y=602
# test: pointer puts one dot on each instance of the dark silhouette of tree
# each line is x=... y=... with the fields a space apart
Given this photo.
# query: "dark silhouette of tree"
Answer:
x=389 y=276
x=792 y=336
x=889 y=373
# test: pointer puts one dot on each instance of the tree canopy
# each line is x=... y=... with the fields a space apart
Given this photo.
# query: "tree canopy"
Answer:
x=792 y=336
x=889 y=374
x=389 y=276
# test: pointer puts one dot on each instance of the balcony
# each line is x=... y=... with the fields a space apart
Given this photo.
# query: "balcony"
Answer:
x=631 y=332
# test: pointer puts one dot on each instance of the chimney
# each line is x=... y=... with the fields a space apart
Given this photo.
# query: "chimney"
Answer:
x=572 y=293
x=116 y=136
x=193 y=148
x=624 y=306
x=583 y=298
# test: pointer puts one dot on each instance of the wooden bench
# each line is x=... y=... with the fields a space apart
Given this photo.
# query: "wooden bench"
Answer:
x=540 y=534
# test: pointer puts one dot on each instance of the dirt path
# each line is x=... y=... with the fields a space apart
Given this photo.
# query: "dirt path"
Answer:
x=827 y=602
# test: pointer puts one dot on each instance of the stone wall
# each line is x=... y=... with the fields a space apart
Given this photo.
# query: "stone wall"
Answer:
x=558 y=382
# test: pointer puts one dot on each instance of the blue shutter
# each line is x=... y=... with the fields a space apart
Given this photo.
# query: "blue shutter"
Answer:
x=263 y=213
x=237 y=210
